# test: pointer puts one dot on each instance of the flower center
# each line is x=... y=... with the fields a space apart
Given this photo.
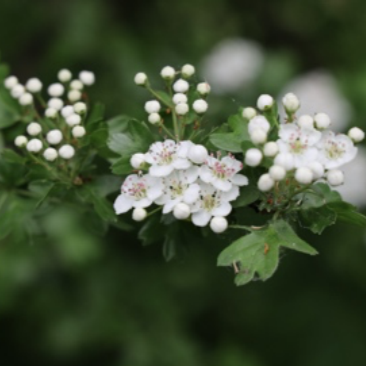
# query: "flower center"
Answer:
x=221 y=171
x=297 y=147
x=165 y=157
x=137 y=190
x=209 y=202
x=177 y=189
x=334 y=150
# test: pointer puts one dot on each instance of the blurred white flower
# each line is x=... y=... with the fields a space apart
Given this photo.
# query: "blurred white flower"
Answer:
x=232 y=64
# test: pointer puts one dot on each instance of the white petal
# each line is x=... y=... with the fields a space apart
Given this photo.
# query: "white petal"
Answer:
x=192 y=193
x=122 y=204
x=168 y=207
x=183 y=148
x=201 y=218
x=145 y=202
x=231 y=195
x=206 y=174
x=180 y=163
x=154 y=192
x=239 y=180
x=160 y=170
x=222 y=185
x=223 y=210
x=192 y=174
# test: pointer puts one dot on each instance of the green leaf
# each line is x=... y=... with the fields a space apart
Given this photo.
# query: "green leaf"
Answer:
x=317 y=219
x=122 y=166
x=165 y=98
x=42 y=188
x=96 y=115
x=248 y=195
x=239 y=126
x=226 y=141
x=12 y=157
x=152 y=231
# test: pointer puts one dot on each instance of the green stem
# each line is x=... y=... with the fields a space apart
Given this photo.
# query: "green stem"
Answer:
x=154 y=211
x=166 y=131
x=241 y=227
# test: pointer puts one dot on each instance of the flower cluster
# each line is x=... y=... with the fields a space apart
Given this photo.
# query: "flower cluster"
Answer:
x=185 y=180
x=57 y=124
x=304 y=148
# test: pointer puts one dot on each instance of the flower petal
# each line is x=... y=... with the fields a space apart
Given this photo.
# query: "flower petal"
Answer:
x=160 y=170
x=122 y=204
x=168 y=207
x=192 y=173
x=231 y=195
x=222 y=185
x=145 y=202
x=239 y=180
x=201 y=218
x=223 y=210
x=191 y=194
x=206 y=174
x=181 y=163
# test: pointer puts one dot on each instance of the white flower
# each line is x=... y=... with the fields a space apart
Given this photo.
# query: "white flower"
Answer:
x=139 y=214
x=179 y=187
x=87 y=77
x=166 y=156
x=299 y=143
x=78 y=131
x=34 y=145
x=188 y=70
x=265 y=183
x=335 y=177
x=154 y=118
x=50 y=113
x=140 y=78
x=167 y=72
x=181 y=211
x=356 y=134
x=200 y=106
x=277 y=172
x=265 y=102
x=17 y=91
x=270 y=149
x=76 y=85
x=253 y=157
x=80 y=107
x=34 y=85
x=291 y=102
x=203 y=88
x=152 y=106
x=218 y=224
x=26 y=99
x=10 y=82
x=317 y=169
x=55 y=103
x=56 y=90
x=285 y=160
x=222 y=174
x=67 y=111
x=249 y=113
x=66 y=152
x=138 y=191
x=322 y=121
x=304 y=175
x=335 y=150
x=54 y=137
x=137 y=160
x=73 y=119
x=34 y=129
x=64 y=75
x=197 y=154
x=74 y=95
x=182 y=109
x=258 y=122
x=258 y=136
x=20 y=141
x=305 y=122
x=179 y=98
x=50 y=154
x=181 y=86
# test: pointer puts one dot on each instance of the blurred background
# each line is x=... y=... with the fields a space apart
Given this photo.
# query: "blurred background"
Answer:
x=73 y=297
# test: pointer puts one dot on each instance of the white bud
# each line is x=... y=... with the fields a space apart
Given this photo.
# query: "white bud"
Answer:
x=34 y=145
x=188 y=70
x=317 y=169
x=73 y=119
x=140 y=78
x=55 y=103
x=253 y=157
x=139 y=214
x=137 y=160
x=203 y=88
x=152 y=106
x=258 y=136
x=270 y=149
x=322 y=121
x=87 y=77
x=50 y=154
x=167 y=73
x=305 y=121
x=304 y=175
x=34 y=85
x=291 y=102
x=265 y=183
x=34 y=129
x=64 y=75
x=26 y=99
x=154 y=118
x=180 y=98
x=20 y=141
x=200 y=106
x=78 y=131
x=335 y=177
x=286 y=160
x=68 y=110
x=356 y=134
x=259 y=122
x=50 y=113
x=181 y=211
x=74 y=95
x=249 y=113
x=197 y=154
x=76 y=85
x=66 y=152
x=56 y=90
x=182 y=109
x=17 y=91
x=80 y=107
x=10 y=82
x=180 y=86
x=54 y=137
x=265 y=102
x=277 y=172
x=218 y=224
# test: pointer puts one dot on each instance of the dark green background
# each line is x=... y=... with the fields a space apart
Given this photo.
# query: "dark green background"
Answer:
x=72 y=297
